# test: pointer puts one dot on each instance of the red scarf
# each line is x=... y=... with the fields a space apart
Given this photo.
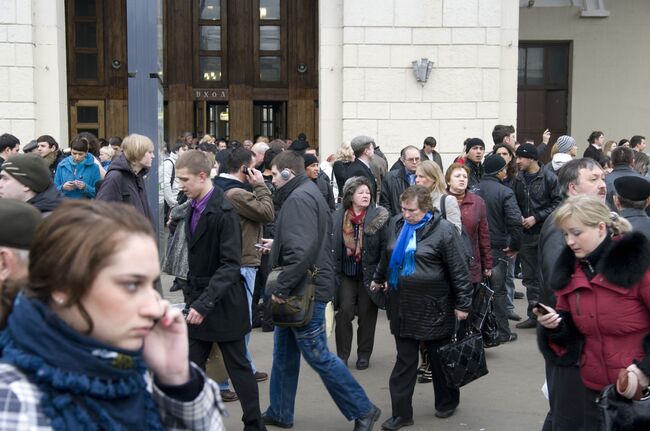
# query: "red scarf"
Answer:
x=352 y=247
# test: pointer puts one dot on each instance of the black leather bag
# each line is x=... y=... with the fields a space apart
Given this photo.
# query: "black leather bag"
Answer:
x=482 y=317
x=463 y=361
x=298 y=309
x=622 y=414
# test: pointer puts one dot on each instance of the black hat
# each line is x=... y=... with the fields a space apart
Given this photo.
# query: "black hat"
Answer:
x=493 y=164
x=299 y=145
x=632 y=188
x=527 y=150
x=31 y=146
x=310 y=159
x=474 y=142
x=30 y=170
x=19 y=221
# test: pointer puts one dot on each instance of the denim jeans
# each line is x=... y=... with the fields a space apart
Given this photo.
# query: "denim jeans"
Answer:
x=510 y=283
x=249 y=273
x=311 y=342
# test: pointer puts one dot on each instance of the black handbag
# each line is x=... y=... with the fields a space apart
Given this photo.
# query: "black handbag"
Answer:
x=463 y=361
x=482 y=317
x=621 y=414
x=298 y=309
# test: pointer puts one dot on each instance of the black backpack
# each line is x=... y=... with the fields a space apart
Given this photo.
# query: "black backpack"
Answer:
x=466 y=242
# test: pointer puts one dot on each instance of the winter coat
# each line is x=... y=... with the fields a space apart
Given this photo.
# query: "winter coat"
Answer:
x=359 y=169
x=422 y=306
x=503 y=215
x=302 y=243
x=340 y=172
x=394 y=185
x=475 y=174
x=176 y=261
x=638 y=219
x=121 y=184
x=619 y=171
x=47 y=200
x=170 y=182
x=374 y=241
x=85 y=171
x=611 y=311
x=254 y=207
x=215 y=287
x=593 y=152
x=325 y=186
x=435 y=157
x=474 y=217
x=537 y=199
x=551 y=239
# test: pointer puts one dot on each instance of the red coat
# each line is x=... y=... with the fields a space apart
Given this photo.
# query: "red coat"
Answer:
x=473 y=215
x=612 y=311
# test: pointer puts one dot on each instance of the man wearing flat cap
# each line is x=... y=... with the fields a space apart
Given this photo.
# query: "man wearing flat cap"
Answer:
x=631 y=199
x=364 y=150
x=26 y=177
x=19 y=222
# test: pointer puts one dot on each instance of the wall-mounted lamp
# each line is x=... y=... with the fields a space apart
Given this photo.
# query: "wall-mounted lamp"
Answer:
x=422 y=68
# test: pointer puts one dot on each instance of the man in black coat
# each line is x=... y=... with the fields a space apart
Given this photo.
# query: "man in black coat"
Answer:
x=399 y=180
x=595 y=149
x=364 y=150
x=475 y=149
x=504 y=220
x=215 y=300
x=631 y=199
x=428 y=151
x=623 y=161
x=302 y=248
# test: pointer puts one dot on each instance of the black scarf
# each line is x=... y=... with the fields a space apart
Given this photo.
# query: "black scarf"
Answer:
x=283 y=192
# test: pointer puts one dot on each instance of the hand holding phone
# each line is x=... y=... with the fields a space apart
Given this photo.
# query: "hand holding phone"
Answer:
x=541 y=308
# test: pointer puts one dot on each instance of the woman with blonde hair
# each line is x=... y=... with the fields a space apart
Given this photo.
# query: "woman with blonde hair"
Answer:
x=429 y=175
x=124 y=181
x=342 y=160
x=602 y=316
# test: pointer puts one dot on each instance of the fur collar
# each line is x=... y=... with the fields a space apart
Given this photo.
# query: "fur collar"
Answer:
x=380 y=217
x=624 y=262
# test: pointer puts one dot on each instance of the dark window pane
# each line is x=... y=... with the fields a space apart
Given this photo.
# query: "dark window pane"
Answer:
x=210 y=68
x=93 y=131
x=558 y=65
x=270 y=68
x=85 y=35
x=269 y=38
x=85 y=8
x=210 y=38
x=269 y=9
x=521 y=75
x=210 y=9
x=87 y=114
x=535 y=66
x=86 y=66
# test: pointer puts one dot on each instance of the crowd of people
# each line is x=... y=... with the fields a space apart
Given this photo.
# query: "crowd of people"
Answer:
x=254 y=225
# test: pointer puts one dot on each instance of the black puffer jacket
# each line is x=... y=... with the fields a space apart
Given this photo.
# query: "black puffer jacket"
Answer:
x=537 y=199
x=422 y=307
x=374 y=240
x=504 y=217
x=302 y=241
x=391 y=189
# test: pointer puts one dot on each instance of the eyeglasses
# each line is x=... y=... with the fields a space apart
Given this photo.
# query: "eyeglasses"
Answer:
x=413 y=159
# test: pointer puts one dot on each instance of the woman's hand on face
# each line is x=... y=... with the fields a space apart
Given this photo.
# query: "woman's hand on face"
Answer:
x=461 y=315
x=550 y=320
x=166 y=350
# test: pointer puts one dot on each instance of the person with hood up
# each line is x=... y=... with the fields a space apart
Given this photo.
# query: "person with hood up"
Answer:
x=564 y=150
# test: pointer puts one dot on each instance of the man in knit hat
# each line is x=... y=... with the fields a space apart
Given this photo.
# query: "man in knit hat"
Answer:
x=474 y=150
x=504 y=220
x=26 y=177
x=19 y=222
x=320 y=178
x=538 y=194
x=631 y=198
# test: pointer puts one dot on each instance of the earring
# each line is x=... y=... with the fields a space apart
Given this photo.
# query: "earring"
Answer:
x=59 y=301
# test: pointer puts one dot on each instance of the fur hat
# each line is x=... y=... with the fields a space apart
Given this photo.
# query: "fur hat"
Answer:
x=19 y=221
x=30 y=170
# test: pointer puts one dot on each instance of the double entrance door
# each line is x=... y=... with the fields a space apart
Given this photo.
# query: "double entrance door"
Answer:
x=213 y=118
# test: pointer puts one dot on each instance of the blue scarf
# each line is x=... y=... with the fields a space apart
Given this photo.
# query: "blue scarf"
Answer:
x=403 y=257
x=86 y=385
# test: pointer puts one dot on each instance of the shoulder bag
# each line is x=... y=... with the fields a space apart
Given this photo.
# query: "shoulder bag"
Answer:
x=463 y=361
x=298 y=309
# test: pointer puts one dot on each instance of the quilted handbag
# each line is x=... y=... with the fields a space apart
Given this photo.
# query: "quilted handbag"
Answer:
x=482 y=317
x=463 y=360
x=621 y=414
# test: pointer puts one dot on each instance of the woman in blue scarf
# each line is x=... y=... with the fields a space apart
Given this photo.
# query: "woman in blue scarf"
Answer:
x=88 y=344
x=427 y=278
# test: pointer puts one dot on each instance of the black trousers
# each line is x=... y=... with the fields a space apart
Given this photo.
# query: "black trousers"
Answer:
x=572 y=406
x=352 y=296
x=529 y=269
x=498 y=279
x=402 y=379
x=241 y=375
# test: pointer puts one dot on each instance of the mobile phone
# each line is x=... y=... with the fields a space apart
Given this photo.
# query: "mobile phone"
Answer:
x=246 y=171
x=261 y=246
x=540 y=307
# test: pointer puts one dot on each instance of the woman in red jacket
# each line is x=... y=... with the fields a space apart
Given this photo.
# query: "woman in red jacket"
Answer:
x=602 y=284
x=473 y=216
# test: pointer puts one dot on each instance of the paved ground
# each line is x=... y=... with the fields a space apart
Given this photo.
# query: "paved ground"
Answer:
x=509 y=398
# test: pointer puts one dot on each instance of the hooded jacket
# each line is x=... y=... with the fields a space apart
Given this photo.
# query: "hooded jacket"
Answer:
x=48 y=200
x=611 y=311
x=86 y=171
x=121 y=184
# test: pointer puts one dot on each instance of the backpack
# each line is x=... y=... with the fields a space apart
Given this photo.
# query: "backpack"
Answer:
x=466 y=242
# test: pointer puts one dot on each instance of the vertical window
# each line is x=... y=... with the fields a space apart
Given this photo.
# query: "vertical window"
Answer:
x=84 y=43
x=210 y=41
x=269 y=44
x=87 y=116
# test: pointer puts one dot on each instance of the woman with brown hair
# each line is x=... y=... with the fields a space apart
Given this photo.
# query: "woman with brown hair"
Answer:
x=89 y=343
